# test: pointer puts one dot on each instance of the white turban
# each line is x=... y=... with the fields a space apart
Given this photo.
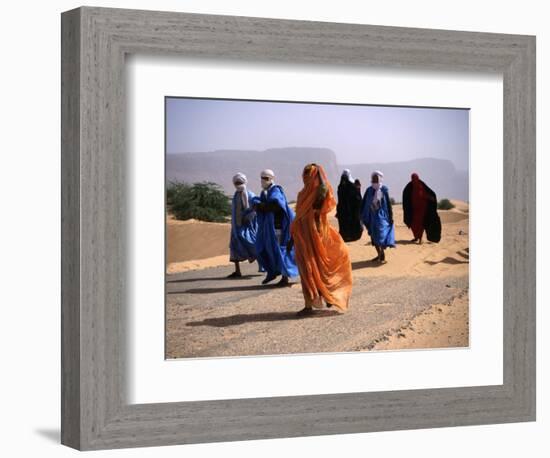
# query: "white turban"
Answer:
x=377 y=186
x=241 y=178
x=267 y=173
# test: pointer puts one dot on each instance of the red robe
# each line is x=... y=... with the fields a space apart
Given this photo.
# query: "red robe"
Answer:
x=419 y=207
x=420 y=210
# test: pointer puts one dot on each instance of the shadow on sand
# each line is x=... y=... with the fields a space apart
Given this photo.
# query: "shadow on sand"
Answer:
x=465 y=255
x=235 y=320
x=447 y=260
x=186 y=280
x=228 y=289
x=406 y=242
x=364 y=264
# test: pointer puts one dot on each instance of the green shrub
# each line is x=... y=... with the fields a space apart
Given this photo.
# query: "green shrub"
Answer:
x=445 y=204
x=204 y=201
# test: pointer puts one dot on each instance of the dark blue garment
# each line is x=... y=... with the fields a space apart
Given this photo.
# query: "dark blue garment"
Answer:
x=243 y=232
x=270 y=250
x=378 y=219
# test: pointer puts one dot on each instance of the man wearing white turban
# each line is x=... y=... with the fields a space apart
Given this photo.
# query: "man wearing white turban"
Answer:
x=377 y=216
x=274 y=218
x=244 y=225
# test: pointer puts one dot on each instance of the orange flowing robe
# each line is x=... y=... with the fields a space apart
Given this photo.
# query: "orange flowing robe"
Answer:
x=321 y=254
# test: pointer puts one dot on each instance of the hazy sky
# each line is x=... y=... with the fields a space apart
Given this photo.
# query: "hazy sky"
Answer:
x=357 y=134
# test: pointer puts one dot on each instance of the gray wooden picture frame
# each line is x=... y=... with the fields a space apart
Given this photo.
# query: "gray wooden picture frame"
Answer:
x=95 y=411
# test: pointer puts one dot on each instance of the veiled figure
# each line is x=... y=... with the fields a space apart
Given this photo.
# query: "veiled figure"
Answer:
x=348 y=209
x=420 y=210
x=321 y=255
x=377 y=215
x=244 y=225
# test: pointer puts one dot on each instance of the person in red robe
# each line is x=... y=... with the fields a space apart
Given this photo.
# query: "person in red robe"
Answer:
x=420 y=210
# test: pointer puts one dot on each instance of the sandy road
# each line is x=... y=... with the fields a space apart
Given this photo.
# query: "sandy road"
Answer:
x=208 y=315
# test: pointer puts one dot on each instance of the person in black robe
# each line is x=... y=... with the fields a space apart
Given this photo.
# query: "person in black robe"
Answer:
x=420 y=210
x=357 y=184
x=348 y=209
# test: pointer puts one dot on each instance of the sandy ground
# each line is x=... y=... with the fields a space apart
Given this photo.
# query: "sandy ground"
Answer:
x=198 y=245
x=197 y=326
x=440 y=326
x=210 y=315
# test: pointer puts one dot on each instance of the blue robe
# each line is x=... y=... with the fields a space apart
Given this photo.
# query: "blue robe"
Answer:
x=378 y=221
x=243 y=233
x=271 y=252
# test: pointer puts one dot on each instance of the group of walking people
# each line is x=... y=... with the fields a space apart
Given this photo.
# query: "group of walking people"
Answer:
x=287 y=243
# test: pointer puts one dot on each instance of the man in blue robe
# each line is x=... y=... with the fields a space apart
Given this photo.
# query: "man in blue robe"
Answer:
x=274 y=218
x=377 y=216
x=244 y=226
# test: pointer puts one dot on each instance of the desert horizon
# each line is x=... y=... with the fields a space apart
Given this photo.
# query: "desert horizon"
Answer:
x=219 y=166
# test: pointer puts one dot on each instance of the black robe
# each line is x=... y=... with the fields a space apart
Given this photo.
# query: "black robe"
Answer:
x=432 y=223
x=348 y=211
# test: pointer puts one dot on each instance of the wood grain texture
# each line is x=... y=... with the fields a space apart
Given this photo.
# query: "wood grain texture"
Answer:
x=70 y=229
x=95 y=410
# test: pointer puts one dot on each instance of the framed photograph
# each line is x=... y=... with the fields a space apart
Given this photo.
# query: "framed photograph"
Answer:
x=276 y=228
x=227 y=235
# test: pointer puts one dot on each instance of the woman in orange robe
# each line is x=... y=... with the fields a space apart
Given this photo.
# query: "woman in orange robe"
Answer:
x=321 y=254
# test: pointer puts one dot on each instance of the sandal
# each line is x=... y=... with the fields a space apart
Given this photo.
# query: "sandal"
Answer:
x=234 y=275
x=306 y=311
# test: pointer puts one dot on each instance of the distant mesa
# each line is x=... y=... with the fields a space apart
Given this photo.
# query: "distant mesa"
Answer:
x=220 y=166
x=287 y=163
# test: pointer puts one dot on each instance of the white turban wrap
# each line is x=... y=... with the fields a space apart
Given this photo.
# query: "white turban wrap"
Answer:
x=377 y=186
x=241 y=178
x=267 y=173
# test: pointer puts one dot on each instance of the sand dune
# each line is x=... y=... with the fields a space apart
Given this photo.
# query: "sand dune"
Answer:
x=193 y=240
x=460 y=205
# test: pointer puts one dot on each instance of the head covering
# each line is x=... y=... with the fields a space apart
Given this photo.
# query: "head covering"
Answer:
x=241 y=178
x=269 y=174
x=309 y=173
x=414 y=177
x=377 y=186
x=316 y=189
x=347 y=173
